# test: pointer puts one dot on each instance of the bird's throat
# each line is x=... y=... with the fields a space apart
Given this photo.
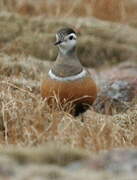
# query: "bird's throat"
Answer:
x=67 y=65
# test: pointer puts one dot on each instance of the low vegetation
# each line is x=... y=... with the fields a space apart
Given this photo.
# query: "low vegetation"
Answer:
x=27 y=33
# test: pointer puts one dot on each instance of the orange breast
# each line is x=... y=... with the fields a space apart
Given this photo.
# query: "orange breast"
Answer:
x=81 y=91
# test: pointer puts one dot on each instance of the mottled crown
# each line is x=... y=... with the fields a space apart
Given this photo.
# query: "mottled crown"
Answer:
x=64 y=32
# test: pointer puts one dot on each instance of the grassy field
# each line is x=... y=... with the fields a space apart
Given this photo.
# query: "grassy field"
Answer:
x=27 y=33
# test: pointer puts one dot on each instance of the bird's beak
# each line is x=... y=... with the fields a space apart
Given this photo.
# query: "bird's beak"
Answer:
x=57 y=43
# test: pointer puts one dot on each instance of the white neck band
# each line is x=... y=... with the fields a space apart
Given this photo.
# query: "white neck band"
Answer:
x=68 y=78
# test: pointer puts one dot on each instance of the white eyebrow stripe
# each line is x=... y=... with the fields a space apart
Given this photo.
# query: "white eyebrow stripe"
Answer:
x=72 y=34
x=68 y=78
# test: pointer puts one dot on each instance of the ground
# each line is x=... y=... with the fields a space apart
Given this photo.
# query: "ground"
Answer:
x=48 y=143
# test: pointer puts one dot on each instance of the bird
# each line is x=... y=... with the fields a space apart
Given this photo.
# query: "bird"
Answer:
x=67 y=78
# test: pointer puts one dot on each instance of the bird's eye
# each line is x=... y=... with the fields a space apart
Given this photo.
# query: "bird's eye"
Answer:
x=71 y=37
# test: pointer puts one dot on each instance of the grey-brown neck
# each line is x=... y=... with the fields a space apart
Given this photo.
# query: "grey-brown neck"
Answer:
x=67 y=64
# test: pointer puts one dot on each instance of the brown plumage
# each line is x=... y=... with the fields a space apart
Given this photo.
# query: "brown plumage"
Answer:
x=67 y=78
x=71 y=90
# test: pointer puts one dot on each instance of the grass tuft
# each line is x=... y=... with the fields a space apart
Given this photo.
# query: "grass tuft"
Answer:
x=26 y=44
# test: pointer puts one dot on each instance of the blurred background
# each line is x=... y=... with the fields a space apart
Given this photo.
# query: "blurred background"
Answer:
x=113 y=10
x=101 y=41
x=42 y=143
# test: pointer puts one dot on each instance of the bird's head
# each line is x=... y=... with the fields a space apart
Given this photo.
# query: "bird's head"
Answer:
x=66 y=40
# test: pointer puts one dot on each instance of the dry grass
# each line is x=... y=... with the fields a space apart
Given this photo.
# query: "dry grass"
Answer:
x=111 y=10
x=54 y=8
x=100 y=42
x=27 y=120
x=26 y=43
x=44 y=163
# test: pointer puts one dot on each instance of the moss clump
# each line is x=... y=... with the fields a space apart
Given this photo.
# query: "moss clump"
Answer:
x=95 y=51
x=34 y=44
x=100 y=42
x=9 y=30
x=46 y=154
